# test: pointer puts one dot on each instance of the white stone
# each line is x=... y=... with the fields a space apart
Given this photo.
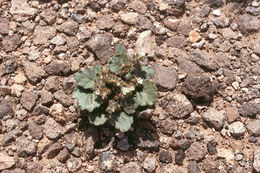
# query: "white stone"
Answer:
x=17 y=90
x=150 y=163
x=58 y=40
x=145 y=44
x=214 y=118
x=33 y=55
x=199 y=44
x=229 y=34
x=75 y=65
x=19 y=78
x=57 y=112
x=21 y=9
x=235 y=85
x=6 y=162
x=163 y=6
x=212 y=36
x=255 y=4
x=129 y=18
x=237 y=129
x=256 y=163
x=226 y=154
x=216 y=12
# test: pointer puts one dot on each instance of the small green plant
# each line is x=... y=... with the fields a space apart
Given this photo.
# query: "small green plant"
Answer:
x=115 y=91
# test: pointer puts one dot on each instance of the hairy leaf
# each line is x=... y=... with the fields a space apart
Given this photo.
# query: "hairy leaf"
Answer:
x=118 y=60
x=97 y=69
x=86 y=78
x=148 y=71
x=121 y=121
x=130 y=105
x=148 y=96
x=129 y=76
x=87 y=101
x=120 y=50
x=97 y=118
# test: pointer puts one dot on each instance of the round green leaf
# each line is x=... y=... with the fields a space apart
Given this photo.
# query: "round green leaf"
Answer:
x=97 y=118
x=120 y=50
x=148 y=71
x=86 y=101
x=148 y=96
x=86 y=78
x=120 y=57
x=97 y=69
x=130 y=105
x=121 y=121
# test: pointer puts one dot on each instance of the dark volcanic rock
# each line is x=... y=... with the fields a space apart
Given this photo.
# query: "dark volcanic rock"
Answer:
x=248 y=23
x=5 y=109
x=144 y=140
x=186 y=66
x=184 y=28
x=211 y=146
x=179 y=157
x=11 y=136
x=215 y=3
x=39 y=110
x=143 y=23
x=184 y=143
x=63 y=155
x=53 y=150
x=165 y=156
x=198 y=90
x=248 y=110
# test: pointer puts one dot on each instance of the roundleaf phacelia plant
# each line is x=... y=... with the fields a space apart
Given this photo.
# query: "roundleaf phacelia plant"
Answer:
x=115 y=91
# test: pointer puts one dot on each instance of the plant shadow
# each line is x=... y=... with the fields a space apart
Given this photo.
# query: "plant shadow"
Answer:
x=106 y=138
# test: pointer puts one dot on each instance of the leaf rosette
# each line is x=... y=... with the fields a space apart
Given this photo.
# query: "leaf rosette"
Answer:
x=115 y=91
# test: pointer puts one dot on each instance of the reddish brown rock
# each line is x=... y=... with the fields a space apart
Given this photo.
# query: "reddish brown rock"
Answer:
x=166 y=78
x=4 y=26
x=11 y=43
x=232 y=114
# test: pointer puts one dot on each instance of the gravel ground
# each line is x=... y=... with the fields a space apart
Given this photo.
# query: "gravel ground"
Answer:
x=206 y=59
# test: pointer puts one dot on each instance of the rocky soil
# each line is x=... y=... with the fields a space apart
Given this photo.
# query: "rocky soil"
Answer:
x=206 y=59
